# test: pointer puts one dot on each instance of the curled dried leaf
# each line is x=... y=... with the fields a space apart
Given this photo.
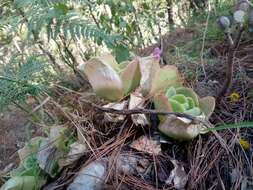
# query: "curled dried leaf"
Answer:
x=137 y=101
x=115 y=117
x=147 y=145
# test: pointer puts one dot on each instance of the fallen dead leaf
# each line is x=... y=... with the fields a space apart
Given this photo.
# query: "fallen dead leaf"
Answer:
x=178 y=177
x=147 y=145
x=115 y=117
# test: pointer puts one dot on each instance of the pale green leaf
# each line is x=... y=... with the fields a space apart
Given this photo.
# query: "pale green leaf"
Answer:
x=131 y=77
x=188 y=92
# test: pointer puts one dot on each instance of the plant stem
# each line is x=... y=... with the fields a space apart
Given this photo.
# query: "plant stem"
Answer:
x=230 y=65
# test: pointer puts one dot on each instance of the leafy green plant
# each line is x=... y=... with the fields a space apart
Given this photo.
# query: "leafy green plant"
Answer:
x=59 y=19
x=42 y=157
x=19 y=80
x=28 y=175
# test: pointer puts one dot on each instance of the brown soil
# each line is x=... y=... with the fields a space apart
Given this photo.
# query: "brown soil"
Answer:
x=14 y=132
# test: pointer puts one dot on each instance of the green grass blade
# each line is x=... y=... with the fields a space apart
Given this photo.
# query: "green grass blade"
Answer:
x=232 y=126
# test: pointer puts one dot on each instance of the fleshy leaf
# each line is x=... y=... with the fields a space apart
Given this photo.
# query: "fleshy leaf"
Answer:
x=190 y=102
x=176 y=106
x=194 y=111
x=104 y=80
x=207 y=105
x=131 y=76
x=181 y=99
x=109 y=60
x=188 y=92
x=162 y=104
x=148 y=66
x=171 y=92
x=178 y=129
x=164 y=78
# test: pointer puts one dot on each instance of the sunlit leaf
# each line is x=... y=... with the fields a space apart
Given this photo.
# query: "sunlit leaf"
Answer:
x=104 y=80
x=108 y=59
x=164 y=78
x=171 y=92
x=76 y=151
x=149 y=66
x=131 y=76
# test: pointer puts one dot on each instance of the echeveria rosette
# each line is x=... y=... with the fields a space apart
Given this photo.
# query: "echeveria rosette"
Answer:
x=183 y=100
x=110 y=80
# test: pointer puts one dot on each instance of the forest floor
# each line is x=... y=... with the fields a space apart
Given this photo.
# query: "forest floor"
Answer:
x=211 y=161
x=15 y=131
x=12 y=135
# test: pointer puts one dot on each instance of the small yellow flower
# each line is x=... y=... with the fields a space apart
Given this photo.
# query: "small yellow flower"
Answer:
x=234 y=97
x=244 y=143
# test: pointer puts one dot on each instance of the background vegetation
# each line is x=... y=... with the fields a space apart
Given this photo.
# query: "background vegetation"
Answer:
x=42 y=42
x=53 y=37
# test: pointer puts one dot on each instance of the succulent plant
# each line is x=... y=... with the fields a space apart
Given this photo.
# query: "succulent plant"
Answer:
x=113 y=81
x=155 y=79
x=183 y=100
x=110 y=80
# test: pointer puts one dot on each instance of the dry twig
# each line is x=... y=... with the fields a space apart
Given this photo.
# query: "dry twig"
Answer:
x=230 y=64
x=146 y=111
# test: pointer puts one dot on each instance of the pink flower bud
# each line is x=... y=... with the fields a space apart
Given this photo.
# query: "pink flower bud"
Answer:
x=157 y=53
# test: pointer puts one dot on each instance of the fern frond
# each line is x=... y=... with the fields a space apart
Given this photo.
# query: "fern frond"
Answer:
x=56 y=17
x=18 y=81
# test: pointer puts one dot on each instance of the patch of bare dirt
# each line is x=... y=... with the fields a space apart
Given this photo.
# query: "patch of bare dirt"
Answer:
x=14 y=132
